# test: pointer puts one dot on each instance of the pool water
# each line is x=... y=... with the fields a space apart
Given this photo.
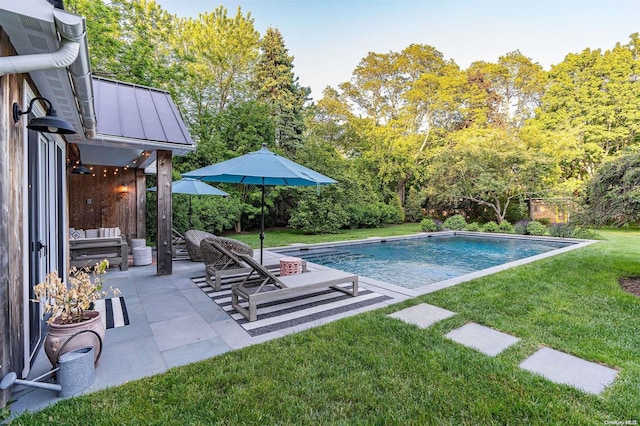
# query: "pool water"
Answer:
x=415 y=262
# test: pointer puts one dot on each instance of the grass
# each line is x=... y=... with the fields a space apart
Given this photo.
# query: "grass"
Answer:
x=283 y=237
x=372 y=369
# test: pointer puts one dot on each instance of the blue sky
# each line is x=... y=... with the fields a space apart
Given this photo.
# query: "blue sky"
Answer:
x=329 y=38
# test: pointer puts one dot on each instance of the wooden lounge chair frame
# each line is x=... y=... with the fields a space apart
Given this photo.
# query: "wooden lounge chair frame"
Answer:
x=271 y=288
x=231 y=266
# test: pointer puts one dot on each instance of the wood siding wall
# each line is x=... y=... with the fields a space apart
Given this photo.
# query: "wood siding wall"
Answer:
x=97 y=201
x=551 y=211
x=12 y=257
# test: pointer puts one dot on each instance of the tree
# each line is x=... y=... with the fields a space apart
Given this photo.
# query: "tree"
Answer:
x=597 y=93
x=277 y=86
x=488 y=167
x=241 y=128
x=613 y=195
x=511 y=88
x=218 y=53
x=105 y=36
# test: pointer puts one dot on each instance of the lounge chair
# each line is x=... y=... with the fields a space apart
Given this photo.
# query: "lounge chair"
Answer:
x=192 y=238
x=220 y=260
x=269 y=287
x=178 y=245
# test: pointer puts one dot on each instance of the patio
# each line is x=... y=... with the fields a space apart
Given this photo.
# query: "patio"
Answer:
x=172 y=322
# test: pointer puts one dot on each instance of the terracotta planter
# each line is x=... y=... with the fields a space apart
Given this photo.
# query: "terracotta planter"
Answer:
x=59 y=334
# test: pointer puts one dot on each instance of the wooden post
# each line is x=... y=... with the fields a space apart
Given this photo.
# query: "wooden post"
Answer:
x=141 y=204
x=163 y=162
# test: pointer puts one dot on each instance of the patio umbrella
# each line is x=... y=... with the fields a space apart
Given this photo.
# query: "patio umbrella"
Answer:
x=192 y=187
x=261 y=167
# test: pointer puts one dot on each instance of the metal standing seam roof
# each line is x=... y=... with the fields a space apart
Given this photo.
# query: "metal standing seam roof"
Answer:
x=137 y=112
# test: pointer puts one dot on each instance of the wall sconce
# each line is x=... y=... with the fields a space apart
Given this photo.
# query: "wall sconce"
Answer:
x=124 y=189
x=50 y=124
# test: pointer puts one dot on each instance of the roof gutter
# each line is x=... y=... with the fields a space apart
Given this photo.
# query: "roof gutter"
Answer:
x=144 y=144
x=73 y=27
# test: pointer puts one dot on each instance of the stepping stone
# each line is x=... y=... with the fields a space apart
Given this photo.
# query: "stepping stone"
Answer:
x=422 y=315
x=487 y=340
x=563 y=368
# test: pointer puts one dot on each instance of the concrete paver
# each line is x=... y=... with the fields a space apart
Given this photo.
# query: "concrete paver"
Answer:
x=487 y=340
x=422 y=315
x=563 y=368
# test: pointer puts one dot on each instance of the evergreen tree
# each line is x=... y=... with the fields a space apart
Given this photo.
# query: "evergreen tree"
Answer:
x=277 y=87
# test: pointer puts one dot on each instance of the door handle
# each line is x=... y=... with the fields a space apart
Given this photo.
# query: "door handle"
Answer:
x=40 y=246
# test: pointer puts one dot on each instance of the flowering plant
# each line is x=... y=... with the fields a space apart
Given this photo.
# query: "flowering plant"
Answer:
x=68 y=303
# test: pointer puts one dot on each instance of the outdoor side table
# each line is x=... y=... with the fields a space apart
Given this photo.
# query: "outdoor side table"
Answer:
x=142 y=256
x=290 y=265
x=137 y=242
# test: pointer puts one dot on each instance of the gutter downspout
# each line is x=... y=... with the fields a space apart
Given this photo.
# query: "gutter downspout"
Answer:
x=73 y=53
x=73 y=27
x=63 y=57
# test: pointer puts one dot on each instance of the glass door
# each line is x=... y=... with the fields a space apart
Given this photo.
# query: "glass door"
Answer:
x=46 y=179
x=38 y=232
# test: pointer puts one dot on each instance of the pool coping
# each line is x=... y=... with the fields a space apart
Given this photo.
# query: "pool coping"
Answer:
x=430 y=288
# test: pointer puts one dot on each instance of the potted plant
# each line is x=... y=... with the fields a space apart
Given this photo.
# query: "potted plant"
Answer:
x=71 y=311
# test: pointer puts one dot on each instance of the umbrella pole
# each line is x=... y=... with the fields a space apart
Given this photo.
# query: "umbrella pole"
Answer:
x=190 y=213
x=262 y=223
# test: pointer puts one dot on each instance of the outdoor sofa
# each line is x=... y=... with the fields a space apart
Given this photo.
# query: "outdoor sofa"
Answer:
x=86 y=248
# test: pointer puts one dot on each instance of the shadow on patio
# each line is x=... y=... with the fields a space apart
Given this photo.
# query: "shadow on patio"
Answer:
x=174 y=320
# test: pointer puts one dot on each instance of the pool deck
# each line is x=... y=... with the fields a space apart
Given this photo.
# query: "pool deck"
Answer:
x=173 y=322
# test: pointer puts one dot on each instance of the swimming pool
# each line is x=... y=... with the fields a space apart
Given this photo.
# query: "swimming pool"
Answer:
x=418 y=261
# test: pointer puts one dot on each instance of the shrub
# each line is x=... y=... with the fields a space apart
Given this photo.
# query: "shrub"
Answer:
x=363 y=216
x=428 y=225
x=318 y=215
x=520 y=227
x=217 y=214
x=544 y=220
x=392 y=212
x=372 y=215
x=413 y=205
x=473 y=226
x=455 y=223
x=536 y=228
x=584 y=233
x=561 y=230
x=491 y=227
x=506 y=227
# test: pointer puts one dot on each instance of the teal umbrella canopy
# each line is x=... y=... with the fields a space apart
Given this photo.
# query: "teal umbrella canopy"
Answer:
x=193 y=187
x=261 y=167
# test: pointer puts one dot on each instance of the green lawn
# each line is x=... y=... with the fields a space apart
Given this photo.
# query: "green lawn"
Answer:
x=283 y=237
x=372 y=369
